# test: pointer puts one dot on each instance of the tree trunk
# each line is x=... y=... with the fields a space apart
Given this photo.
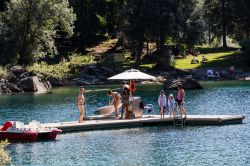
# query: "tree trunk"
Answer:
x=147 y=47
x=224 y=25
x=162 y=41
x=139 y=50
x=209 y=35
x=25 y=57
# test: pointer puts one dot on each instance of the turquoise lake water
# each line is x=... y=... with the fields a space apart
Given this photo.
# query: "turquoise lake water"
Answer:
x=161 y=145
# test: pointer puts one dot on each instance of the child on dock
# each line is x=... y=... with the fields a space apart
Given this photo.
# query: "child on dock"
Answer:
x=171 y=105
x=162 y=103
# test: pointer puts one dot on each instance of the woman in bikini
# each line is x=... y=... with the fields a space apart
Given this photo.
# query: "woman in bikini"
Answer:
x=125 y=101
x=80 y=104
x=116 y=100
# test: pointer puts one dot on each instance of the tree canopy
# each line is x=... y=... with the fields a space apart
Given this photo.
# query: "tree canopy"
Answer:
x=28 y=29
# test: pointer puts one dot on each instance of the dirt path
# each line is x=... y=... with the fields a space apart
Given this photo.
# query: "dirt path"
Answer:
x=102 y=47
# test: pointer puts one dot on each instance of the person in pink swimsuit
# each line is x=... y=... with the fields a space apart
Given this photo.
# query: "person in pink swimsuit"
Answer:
x=180 y=100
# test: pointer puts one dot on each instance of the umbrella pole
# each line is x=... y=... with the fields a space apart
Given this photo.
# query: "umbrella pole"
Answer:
x=130 y=90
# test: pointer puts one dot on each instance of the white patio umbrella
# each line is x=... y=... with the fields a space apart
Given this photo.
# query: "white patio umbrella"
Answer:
x=132 y=74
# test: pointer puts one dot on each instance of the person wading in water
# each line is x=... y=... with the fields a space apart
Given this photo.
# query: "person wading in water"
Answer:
x=80 y=104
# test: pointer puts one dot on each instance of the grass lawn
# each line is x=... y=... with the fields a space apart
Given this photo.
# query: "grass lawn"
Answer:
x=148 y=66
x=217 y=58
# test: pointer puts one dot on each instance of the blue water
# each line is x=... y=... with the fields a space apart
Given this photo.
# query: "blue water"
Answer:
x=161 y=145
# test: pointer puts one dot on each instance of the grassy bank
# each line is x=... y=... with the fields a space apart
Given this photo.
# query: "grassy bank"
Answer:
x=216 y=58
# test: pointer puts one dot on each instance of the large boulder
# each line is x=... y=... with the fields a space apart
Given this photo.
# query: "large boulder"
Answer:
x=4 y=88
x=47 y=84
x=11 y=77
x=17 y=70
x=54 y=81
x=187 y=83
x=27 y=84
x=13 y=87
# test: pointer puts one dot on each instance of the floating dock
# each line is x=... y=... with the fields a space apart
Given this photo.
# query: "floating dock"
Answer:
x=105 y=123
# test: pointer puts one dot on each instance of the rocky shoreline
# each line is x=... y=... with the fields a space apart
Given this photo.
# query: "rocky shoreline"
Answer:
x=19 y=80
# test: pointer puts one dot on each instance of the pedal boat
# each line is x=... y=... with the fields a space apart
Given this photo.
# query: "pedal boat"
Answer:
x=34 y=131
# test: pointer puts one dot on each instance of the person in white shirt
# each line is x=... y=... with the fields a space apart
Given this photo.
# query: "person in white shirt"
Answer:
x=162 y=103
x=171 y=105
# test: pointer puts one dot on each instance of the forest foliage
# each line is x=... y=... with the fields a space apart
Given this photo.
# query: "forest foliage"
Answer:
x=33 y=31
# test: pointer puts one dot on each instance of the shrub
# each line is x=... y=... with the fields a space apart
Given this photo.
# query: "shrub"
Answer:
x=5 y=158
x=59 y=71
x=81 y=59
x=62 y=70
x=2 y=72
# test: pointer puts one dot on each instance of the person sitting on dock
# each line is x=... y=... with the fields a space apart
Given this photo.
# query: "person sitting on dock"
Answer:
x=171 y=105
x=116 y=100
x=162 y=103
x=125 y=101
x=80 y=104
x=180 y=100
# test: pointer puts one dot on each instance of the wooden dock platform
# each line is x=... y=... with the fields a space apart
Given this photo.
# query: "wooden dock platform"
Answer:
x=104 y=123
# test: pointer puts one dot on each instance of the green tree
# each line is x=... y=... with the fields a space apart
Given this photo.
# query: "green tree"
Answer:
x=241 y=21
x=219 y=16
x=193 y=25
x=95 y=19
x=29 y=27
x=134 y=27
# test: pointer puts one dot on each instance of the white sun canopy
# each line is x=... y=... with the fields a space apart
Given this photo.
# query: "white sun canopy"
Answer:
x=132 y=74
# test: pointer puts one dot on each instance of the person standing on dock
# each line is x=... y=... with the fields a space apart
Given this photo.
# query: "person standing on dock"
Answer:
x=124 y=85
x=116 y=100
x=81 y=104
x=162 y=103
x=125 y=101
x=180 y=100
x=171 y=105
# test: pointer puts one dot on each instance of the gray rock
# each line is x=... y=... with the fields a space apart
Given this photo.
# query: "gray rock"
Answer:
x=83 y=82
x=17 y=70
x=109 y=71
x=4 y=88
x=188 y=83
x=54 y=81
x=47 y=84
x=13 y=87
x=95 y=81
x=27 y=84
x=10 y=77
x=24 y=75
